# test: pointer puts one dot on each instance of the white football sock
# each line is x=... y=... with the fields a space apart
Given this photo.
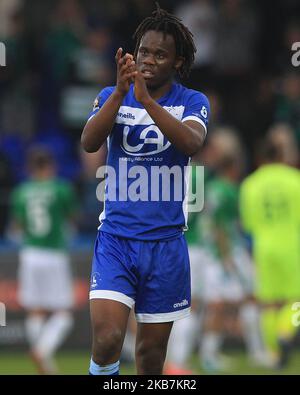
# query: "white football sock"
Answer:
x=33 y=328
x=210 y=346
x=128 y=349
x=182 y=339
x=54 y=333
x=249 y=316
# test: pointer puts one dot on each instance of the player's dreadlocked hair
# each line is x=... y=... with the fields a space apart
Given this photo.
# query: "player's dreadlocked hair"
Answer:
x=167 y=23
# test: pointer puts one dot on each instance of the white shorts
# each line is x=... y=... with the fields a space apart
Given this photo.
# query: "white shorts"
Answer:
x=245 y=269
x=198 y=259
x=231 y=288
x=206 y=275
x=45 y=280
x=221 y=286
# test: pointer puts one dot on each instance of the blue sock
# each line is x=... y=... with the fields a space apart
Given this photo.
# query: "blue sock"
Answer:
x=109 y=370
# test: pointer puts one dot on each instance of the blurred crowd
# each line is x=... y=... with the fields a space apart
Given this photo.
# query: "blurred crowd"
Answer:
x=60 y=54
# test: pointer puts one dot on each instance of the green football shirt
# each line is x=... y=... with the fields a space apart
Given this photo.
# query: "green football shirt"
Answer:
x=43 y=208
x=220 y=212
x=194 y=232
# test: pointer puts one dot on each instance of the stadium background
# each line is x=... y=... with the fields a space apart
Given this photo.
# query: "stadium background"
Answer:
x=59 y=56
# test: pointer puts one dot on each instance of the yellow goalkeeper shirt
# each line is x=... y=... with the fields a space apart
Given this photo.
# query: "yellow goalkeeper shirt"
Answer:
x=270 y=213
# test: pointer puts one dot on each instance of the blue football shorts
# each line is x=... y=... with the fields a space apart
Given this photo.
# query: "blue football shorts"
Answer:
x=152 y=275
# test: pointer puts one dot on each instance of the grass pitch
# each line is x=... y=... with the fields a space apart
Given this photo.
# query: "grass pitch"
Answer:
x=77 y=363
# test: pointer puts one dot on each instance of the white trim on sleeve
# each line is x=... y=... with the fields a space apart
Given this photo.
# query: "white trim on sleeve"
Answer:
x=92 y=116
x=185 y=203
x=112 y=295
x=193 y=118
x=163 y=317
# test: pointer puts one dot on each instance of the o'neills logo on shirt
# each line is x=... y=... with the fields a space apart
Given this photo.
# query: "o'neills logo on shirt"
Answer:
x=126 y=116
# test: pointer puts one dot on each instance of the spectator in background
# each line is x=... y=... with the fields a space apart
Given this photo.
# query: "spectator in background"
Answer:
x=15 y=81
x=290 y=36
x=217 y=115
x=288 y=105
x=65 y=36
x=235 y=62
x=283 y=139
x=92 y=62
x=263 y=107
x=7 y=8
x=63 y=39
x=237 y=31
x=6 y=183
x=201 y=18
x=41 y=207
x=125 y=14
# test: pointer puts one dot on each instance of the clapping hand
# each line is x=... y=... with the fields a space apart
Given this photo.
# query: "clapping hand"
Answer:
x=126 y=71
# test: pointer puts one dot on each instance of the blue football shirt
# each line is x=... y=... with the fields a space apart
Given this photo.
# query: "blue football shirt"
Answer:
x=146 y=176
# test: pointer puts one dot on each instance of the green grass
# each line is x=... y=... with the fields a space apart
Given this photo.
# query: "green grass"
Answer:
x=77 y=363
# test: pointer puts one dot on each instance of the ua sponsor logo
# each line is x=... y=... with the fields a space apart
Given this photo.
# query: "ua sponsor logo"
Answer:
x=138 y=150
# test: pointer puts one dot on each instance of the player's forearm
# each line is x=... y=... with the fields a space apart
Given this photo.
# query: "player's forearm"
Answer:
x=185 y=139
x=99 y=127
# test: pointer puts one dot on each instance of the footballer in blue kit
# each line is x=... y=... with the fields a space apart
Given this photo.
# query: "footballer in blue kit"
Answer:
x=152 y=126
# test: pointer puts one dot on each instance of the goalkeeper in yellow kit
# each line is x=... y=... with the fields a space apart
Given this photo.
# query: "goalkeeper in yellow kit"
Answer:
x=270 y=213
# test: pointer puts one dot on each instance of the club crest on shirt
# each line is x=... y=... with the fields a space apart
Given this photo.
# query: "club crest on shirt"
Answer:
x=96 y=104
x=95 y=280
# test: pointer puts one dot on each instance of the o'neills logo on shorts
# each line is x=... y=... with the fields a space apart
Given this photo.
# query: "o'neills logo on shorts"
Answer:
x=181 y=304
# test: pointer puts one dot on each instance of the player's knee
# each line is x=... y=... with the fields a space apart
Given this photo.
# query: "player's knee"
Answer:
x=151 y=356
x=107 y=343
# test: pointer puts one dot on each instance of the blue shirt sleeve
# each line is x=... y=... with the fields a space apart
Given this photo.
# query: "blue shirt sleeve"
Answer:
x=100 y=100
x=197 y=109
